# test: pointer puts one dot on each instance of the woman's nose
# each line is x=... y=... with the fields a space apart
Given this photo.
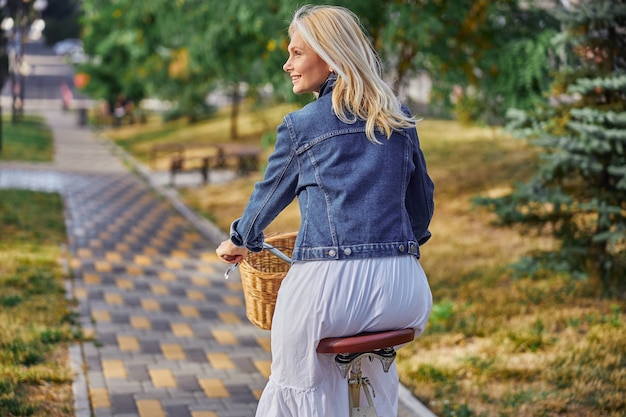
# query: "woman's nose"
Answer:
x=286 y=66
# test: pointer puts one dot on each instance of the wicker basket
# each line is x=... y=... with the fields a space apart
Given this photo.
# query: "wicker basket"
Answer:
x=261 y=275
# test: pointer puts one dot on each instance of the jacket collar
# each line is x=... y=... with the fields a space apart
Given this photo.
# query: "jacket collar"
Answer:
x=328 y=85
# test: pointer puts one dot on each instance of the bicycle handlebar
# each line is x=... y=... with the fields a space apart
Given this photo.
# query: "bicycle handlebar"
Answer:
x=266 y=246
x=277 y=252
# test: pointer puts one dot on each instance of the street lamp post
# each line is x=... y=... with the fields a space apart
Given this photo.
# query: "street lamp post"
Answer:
x=14 y=20
x=6 y=25
x=38 y=24
x=17 y=78
x=17 y=64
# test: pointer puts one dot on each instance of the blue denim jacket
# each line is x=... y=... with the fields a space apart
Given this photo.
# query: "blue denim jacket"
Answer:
x=357 y=199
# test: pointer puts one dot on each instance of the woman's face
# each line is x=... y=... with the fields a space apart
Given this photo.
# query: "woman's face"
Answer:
x=307 y=70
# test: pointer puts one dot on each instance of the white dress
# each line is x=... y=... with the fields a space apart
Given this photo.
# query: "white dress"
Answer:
x=322 y=299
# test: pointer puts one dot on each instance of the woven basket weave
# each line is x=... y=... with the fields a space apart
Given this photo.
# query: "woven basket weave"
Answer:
x=261 y=275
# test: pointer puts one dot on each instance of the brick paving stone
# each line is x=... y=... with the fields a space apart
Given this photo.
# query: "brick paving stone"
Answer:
x=188 y=383
x=138 y=373
x=123 y=403
x=177 y=410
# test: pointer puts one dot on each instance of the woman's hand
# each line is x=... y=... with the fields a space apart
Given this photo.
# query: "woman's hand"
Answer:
x=228 y=252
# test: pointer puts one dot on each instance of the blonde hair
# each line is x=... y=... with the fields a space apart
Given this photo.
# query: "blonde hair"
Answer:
x=336 y=35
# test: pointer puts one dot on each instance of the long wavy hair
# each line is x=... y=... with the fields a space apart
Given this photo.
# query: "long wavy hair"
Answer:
x=337 y=36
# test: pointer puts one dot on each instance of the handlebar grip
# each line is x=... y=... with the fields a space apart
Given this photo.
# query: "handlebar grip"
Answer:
x=266 y=246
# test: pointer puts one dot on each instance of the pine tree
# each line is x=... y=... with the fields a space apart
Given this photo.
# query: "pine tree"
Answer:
x=579 y=190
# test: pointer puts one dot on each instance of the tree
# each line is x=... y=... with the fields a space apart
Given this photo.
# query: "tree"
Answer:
x=110 y=40
x=239 y=47
x=180 y=50
x=513 y=70
x=579 y=190
x=495 y=51
x=140 y=49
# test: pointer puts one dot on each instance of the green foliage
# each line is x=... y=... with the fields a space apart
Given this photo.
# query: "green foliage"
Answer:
x=268 y=140
x=482 y=56
x=545 y=264
x=180 y=51
x=457 y=410
x=441 y=316
x=10 y=300
x=518 y=77
x=115 y=43
x=579 y=191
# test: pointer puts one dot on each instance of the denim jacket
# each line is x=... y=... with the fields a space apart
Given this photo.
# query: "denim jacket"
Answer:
x=357 y=199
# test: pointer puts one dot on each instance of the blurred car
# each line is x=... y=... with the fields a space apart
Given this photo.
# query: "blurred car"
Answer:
x=68 y=46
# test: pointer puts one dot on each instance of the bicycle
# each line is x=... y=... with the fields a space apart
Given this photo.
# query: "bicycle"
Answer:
x=350 y=350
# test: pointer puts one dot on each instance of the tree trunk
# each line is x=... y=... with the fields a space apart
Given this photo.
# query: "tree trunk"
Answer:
x=234 y=112
x=405 y=62
x=2 y=82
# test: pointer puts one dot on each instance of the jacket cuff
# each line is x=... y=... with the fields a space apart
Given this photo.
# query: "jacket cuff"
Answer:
x=237 y=239
x=424 y=238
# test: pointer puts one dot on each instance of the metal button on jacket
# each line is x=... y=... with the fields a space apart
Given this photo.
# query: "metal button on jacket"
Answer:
x=332 y=252
x=347 y=251
x=401 y=248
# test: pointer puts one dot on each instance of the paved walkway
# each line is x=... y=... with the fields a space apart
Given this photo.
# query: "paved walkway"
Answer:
x=170 y=336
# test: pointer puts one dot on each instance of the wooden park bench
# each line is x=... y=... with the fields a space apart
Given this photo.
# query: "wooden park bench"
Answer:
x=203 y=158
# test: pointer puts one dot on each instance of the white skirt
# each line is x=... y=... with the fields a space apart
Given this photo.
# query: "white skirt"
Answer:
x=322 y=299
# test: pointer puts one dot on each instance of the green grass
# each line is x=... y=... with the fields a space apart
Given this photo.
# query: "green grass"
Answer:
x=36 y=320
x=500 y=341
x=27 y=140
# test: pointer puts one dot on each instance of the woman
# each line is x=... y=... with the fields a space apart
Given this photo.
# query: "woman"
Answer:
x=352 y=158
